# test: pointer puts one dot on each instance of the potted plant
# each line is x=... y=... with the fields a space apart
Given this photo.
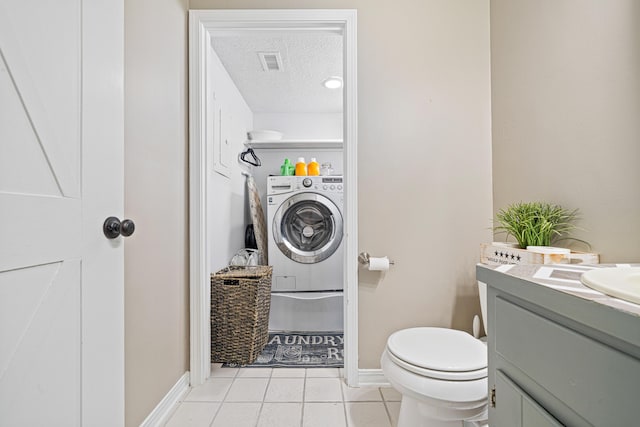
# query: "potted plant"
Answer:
x=536 y=223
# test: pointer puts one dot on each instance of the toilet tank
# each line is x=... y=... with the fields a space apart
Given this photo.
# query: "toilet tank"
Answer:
x=482 y=292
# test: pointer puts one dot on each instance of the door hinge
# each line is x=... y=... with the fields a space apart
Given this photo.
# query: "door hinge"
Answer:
x=492 y=397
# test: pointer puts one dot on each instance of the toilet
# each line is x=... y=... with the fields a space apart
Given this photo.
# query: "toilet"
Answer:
x=441 y=374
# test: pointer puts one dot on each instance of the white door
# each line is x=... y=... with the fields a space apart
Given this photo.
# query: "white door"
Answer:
x=61 y=175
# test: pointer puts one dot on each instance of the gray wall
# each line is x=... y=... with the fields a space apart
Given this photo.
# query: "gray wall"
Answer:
x=565 y=106
x=424 y=158
x=566 y=109
x=227 y=203
x=156 y=256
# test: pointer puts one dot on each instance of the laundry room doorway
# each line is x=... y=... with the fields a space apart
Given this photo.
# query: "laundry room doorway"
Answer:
x=220 y=117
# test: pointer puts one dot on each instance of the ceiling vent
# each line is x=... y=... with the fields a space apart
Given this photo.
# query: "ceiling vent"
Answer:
x=271 y=61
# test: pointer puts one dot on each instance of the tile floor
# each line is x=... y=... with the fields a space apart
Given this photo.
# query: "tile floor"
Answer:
x=284 y=397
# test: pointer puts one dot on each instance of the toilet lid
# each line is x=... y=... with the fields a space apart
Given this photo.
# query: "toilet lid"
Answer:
x=440 y=351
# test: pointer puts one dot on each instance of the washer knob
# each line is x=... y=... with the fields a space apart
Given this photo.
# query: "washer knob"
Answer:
x=324 y=187
x=339 y=187
x=307 y=182
x=332 y=187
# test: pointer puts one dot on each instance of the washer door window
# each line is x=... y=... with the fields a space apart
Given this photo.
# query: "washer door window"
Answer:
x=308 y=228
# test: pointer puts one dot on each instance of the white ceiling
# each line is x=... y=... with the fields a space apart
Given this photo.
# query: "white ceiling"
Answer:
x=308 y=58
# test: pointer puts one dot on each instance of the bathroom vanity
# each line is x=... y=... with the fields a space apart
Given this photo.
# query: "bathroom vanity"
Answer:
x=559 y=353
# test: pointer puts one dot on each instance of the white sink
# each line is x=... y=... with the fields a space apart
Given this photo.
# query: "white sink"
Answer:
x=623 y=283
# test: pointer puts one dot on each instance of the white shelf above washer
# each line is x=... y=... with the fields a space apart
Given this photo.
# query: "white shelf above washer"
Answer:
x=295 y=143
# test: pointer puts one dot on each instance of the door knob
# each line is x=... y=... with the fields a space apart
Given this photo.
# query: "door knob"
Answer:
x=112 y=227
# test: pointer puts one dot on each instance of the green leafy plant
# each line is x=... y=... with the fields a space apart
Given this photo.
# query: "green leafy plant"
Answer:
x=535 y=223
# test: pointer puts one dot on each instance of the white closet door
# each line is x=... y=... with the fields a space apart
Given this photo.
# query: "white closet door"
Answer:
x=61 y=175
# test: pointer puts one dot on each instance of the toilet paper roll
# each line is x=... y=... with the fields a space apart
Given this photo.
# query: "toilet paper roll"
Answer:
x=378 y=264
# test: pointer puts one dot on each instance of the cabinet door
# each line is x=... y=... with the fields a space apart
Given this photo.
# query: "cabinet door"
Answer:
x=515 y=408
x=594 y=383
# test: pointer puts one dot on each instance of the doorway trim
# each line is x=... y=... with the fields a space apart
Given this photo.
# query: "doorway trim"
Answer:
x=201 y=22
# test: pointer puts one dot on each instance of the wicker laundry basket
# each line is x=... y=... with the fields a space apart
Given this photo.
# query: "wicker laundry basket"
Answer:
x=240 y=302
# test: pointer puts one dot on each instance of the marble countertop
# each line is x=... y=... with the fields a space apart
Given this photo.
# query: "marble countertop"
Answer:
x=566 y=278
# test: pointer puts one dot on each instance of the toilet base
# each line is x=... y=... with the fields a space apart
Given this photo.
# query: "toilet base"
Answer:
x=428 y=402
x=414 y=413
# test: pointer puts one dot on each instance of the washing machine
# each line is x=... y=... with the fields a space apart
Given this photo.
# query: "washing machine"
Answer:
x=305 y=234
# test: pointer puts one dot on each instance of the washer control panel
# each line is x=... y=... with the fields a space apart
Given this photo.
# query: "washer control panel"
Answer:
x=323 y=183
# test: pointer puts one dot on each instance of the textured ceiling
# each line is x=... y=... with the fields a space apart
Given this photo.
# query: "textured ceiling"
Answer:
x=308 y=59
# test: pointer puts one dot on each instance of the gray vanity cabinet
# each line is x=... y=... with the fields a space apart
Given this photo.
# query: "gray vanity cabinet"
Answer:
x=556 y=359
x=517 y=409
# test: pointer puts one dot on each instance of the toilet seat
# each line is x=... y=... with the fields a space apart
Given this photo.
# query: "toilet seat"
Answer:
x=439 y=353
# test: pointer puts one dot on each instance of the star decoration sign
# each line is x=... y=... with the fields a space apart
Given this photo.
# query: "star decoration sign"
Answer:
x=507 y=256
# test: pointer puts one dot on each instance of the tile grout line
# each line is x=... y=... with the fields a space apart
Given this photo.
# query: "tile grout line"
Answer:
x=344 y=404
x=304 y=391
x=224 y=398
x=264 y=396
x=217 y=411
x=386 y=408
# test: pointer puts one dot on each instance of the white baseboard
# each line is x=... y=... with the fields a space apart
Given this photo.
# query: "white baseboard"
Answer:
x=372 y=377
x=161 y=413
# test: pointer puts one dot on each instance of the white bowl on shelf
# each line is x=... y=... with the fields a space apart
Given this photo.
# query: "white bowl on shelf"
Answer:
x=265 y=135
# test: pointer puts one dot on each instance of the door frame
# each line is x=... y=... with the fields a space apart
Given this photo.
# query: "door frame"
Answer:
x=201 y=22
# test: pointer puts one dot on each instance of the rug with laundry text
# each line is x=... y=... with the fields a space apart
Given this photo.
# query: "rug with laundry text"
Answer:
x=301 y=350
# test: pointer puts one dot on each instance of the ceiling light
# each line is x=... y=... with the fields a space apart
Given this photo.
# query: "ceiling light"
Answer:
x=333 y=82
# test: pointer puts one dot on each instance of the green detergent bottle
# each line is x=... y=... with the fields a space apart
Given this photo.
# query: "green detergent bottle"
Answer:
x=287 y=169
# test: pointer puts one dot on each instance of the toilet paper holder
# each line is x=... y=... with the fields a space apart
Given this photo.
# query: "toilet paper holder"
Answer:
x=363 y=259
